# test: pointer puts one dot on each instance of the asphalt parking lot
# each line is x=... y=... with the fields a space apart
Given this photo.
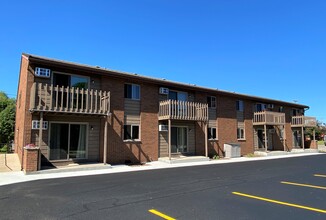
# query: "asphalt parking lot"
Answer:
x=290 y=188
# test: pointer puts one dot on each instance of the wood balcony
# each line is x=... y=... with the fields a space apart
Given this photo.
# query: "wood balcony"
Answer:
x=71 y=100
x=303 y=121
x=183 y=110
x=269 y=118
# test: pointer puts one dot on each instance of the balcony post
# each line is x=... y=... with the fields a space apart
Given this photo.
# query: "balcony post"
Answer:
x=206 y=139
x=105 y=141
x=265 y=134
x=284 y=142
x=169 y=139
x=40 y=138
x=302 y=137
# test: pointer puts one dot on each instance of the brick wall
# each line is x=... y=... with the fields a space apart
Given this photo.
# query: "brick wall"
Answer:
x=23 y=116
x=227 y=122
x=117 y=152
x=149 y=122
x=31 y=159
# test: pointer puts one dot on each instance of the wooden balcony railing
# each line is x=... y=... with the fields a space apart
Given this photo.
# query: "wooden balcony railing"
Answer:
x=269 y=118
x=303 y=121
x=60 y=99
x=183 y=110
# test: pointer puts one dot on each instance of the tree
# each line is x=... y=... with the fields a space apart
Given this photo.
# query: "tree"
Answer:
x=7 y=118
x=320 y=130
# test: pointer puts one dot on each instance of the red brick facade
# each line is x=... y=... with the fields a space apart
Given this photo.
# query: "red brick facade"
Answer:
x=147 y=147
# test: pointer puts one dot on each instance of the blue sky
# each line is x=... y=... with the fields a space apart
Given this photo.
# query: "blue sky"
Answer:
x=271 y=48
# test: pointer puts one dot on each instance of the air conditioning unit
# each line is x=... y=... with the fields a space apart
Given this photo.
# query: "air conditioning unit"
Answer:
x=42 y=72
x=163 y=128
x=270 y=106
x=164 y=91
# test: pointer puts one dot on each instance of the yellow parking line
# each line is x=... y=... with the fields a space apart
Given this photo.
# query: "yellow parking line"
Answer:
x=161 y=214
x=320 y=175
x=280 y=202
x=305 y=185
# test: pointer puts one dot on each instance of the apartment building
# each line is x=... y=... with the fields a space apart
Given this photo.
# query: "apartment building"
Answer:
x=71 y=112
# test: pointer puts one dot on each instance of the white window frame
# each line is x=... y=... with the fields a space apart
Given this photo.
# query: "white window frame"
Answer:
x=42 y=72
x=36 y=125
x=131 y=129
x=210 y=130
x=239 y=132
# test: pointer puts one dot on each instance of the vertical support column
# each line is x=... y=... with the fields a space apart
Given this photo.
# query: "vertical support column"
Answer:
x=105 y=143
x=265 y=134
x=284 y=138
x=302 y=137
x=314 y=137
x=206 y=139
x=169 y=139
x=40 y=138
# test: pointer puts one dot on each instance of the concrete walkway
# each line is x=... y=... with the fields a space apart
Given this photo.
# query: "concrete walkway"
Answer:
x=9 y=163
x=97 y=169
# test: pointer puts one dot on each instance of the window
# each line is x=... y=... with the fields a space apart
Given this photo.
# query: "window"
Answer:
x=36 y=124
x=211 y=133
x=296 y=112
x=70 y=80
x=131 y=132
x=260 y=107
x=211 y=101
x=281 y=109
x=42 y=72
x=132 y=91
x=240 y=105
x=179 y=96
x=240 y=133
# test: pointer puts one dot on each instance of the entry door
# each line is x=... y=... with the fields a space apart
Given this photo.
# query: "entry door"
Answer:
x=261 y=138
x=179 y=137
x=67 y=141
x=297 y=138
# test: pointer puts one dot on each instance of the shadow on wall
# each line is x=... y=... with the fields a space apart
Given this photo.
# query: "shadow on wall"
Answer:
x=119 y=151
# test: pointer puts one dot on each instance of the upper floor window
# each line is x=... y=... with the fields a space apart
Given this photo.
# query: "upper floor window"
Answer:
x=260 y=107
x=70 y=80
x=211 y=133
x=281 y=109
x=211 y=101
x=180 y=96
x=132 y=91
x=239 y=105
x=297 y=112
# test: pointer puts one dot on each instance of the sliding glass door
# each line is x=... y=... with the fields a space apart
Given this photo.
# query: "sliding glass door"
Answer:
x=179 y=139
x=67 y=141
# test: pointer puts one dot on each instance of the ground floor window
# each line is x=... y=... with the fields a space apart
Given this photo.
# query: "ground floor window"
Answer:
x=211 y=133
x=240 y=133
x=131 y=132
x=67 y=141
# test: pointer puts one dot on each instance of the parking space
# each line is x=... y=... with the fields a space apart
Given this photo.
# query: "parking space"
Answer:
x=289 y=188
x=309 y=194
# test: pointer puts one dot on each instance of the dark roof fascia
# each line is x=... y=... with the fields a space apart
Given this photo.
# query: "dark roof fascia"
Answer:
x=160 y=82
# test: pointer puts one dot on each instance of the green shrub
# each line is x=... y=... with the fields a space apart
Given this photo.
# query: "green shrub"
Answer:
x=216 y=157
x=4 y=149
